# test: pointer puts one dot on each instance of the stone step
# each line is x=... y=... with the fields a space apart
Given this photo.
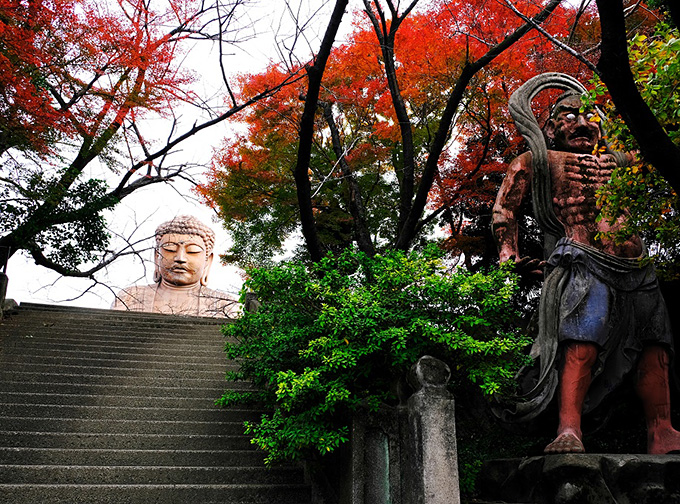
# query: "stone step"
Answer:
x=131 y=373
x=112 y=377
x=81 y=331
x=168 y=325
x=38 y=309
x=95 y=329
x=105 y=400
x=154 y=494
x=139 y=475
x=28 y=439
x=209 y=392
x=112 y=317
x=113 y=360
x=111 y=456
x=66 y=346
x=127 y=335
x=213 y=414
x=99 y=426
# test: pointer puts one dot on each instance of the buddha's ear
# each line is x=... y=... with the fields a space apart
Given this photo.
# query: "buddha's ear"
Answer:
x=157 y=267
x=206 y=270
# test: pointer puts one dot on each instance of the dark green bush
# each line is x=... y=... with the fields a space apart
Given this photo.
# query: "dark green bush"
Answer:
x=340 y=333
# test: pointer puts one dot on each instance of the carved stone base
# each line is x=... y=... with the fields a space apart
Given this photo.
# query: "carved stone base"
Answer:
x=582 y=479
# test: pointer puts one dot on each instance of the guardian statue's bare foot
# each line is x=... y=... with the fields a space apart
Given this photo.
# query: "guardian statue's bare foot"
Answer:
x=567 y=442
x=663 y=440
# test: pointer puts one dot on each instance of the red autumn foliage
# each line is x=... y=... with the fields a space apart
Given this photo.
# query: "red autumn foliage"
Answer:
x=26 y=111
x=75 y=76
x=76 y=68
x=433 y=46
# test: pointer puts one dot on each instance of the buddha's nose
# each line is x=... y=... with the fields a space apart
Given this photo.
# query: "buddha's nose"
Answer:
x=180 y=255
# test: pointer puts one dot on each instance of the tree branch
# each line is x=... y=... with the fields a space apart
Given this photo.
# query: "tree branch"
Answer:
x=566 y=48
x=42 y=260
x=199 y=127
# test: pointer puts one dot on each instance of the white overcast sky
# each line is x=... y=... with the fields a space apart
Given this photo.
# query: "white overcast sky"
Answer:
x=146 y=208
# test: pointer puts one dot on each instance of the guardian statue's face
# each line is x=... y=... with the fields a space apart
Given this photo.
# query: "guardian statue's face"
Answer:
x=572 y=130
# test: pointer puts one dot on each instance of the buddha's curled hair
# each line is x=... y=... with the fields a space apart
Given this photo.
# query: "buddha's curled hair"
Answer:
x=187 y=225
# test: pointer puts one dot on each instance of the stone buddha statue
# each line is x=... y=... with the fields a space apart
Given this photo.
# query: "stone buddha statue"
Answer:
x=182 y=258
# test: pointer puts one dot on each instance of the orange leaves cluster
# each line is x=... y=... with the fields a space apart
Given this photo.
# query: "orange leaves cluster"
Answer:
x=485 y=139
x=80 y=67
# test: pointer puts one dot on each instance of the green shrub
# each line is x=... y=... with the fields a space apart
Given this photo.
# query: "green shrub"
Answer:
x=340 y=333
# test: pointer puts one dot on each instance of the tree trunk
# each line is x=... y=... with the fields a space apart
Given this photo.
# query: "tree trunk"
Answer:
x=301 y=173
x=655 y=145
x=356 y=204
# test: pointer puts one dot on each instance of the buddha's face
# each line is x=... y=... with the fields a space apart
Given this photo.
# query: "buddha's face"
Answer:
x=572 y=130
x=181 y=260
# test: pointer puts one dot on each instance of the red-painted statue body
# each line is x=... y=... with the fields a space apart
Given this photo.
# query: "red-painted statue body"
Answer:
x=601 y=314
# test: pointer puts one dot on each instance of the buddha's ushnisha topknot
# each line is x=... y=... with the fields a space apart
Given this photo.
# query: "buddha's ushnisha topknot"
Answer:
x=187 y=225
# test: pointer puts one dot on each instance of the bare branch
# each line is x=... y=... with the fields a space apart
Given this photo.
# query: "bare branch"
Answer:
x=118 y=192
x=579 y=13
x=41 y=260
x=591 y=66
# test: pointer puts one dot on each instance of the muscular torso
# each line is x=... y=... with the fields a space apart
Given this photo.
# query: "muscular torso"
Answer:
x=575 y=180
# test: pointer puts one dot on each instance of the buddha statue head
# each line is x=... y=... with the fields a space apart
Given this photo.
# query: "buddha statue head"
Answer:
x=183 y=253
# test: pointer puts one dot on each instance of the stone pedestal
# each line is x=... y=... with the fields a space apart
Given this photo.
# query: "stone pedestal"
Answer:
x=407 y=454
x=583 y=479
x=432 y=476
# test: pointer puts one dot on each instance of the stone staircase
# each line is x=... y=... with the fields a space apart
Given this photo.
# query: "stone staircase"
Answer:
x=99 y=406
